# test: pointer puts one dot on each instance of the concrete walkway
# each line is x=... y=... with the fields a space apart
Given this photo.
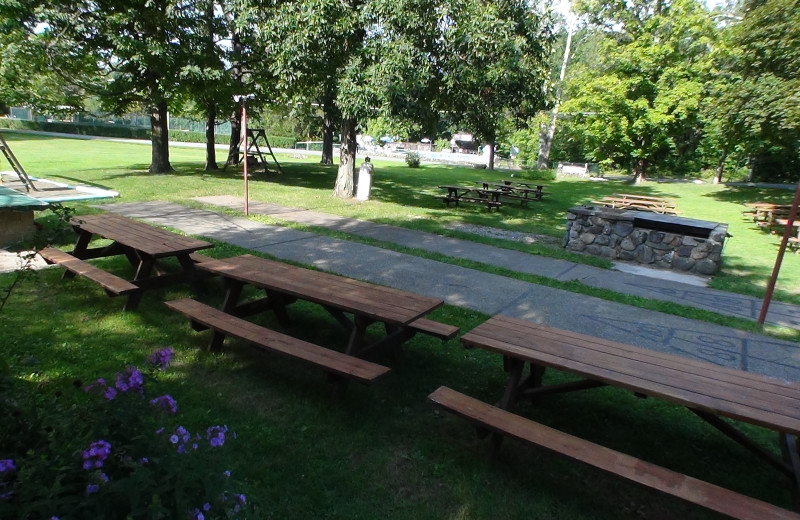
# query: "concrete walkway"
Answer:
x=487 y=293
x=665 y=286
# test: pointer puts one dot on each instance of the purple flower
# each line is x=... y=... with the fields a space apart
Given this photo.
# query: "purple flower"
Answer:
x=92 y=488
x=131 y=379
x=227 y=473
x=109 y=393
x=216 y=435
x=161 y=358
x=96 y=454
x=7 y=465
x=173 y=439
x=197 y=515
x=242 y=499
x=206 y=506
x=165 y=402
x=7 y=495
x=143 y=461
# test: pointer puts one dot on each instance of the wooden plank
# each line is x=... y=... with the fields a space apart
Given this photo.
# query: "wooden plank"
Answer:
x=142 y=237
x=442 y=331
x=654 y=368
x=267 y=339
x=744 y=396
x=384 y=304
x=682 y=486
x=113 y=284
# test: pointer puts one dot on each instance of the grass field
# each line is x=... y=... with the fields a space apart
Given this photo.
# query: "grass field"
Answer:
x=381 y=451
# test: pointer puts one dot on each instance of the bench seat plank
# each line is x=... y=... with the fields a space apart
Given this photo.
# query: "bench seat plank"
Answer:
x=673 y=483
x=437 y=329
x=266 y=339
x=113 y=284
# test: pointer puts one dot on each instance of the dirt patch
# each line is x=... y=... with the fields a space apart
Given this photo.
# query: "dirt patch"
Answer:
x=502 y=234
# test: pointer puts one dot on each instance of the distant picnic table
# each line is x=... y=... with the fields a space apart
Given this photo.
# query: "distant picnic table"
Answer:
x=767 y=215
x=488 y=197
x=663 y=205
x=521 y=191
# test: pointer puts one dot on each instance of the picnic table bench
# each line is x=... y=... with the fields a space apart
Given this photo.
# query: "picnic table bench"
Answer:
x=709 y=391
x=768 y=216
x=515 y=190
x=143 y=246
x=353 y=304
x=661 y=205
x=456 y=194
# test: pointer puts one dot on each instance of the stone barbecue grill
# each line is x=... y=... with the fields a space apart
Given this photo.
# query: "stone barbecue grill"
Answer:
x=653 y=239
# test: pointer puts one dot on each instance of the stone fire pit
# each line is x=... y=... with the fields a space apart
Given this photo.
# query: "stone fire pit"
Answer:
x=664 y=241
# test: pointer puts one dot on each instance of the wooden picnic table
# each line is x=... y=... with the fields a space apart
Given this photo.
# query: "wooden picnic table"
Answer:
x=456 y=194
x=767 y=215
x=661 y=205
x=143 y=245
x=519 y=191
x=710 y=391
x=401 y=312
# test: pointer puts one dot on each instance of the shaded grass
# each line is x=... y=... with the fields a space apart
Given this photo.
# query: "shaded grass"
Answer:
x=382 y=451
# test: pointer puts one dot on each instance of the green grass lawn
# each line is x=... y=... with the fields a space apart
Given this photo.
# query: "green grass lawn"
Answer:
x=381 y=451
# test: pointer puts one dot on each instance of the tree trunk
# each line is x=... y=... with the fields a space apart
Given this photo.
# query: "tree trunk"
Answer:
x=640 y=171
x=546 y=139
x=211 y=151
x=159 y=138
x=721 y=166
x=491 y=155
x=236 y=119
x=236 y=131
x=328 y=126
x=347 y=161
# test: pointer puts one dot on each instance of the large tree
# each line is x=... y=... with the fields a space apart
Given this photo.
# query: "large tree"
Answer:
x=757 y=108
x=640 y=105
x=494 y=58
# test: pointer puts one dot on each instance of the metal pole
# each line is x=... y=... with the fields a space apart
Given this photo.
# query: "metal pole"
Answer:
x=781 y=250
x=244 y=126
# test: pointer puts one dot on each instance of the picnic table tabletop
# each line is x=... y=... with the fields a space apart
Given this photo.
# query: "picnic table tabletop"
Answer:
x=144 y=238
x=284 y=283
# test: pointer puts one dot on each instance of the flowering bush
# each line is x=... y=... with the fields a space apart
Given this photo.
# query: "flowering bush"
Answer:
x=109 y=454
x=412 y=159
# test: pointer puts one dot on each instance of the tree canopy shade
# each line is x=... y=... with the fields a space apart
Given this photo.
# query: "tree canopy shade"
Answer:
x=641 y=104
x=494 y=59
x=127 y=53
x=409 y=60
x=757 y=109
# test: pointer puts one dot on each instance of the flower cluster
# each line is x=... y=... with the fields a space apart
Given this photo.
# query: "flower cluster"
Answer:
x=216 y=435
x=7 y=465
x=129 y=380
x=161 y=358
x=97 y=453
x=165 y=402
x=100 y=464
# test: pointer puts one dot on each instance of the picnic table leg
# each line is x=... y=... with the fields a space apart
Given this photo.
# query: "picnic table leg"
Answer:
x=356 y=342
x=515 y=368
x=79 y=251
x=143 y=271
x=790 y=446
x=232 y=294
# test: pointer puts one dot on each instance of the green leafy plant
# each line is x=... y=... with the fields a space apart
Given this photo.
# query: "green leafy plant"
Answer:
x=412 y=159
x=111 y=451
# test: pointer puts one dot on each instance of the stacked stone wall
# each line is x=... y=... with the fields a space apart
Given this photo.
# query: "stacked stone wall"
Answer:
x=612 y=235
